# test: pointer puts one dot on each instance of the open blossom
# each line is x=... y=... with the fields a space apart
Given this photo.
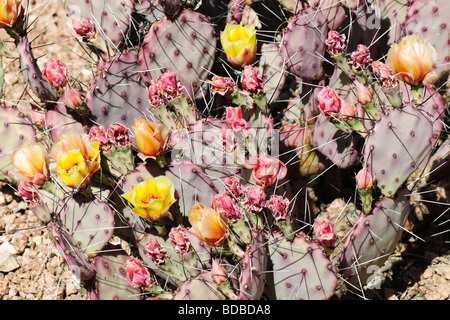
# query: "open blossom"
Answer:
x=251 y=81
x=31 y=162
x=254 y=199
x=84 y=28
x=325 y=232
x=226 y=205
x=152 y=198
x=412 y=60
x=150 y=138
x=221 y=85
x=361 y=57
x=137 y=275
x=239 y=43
x=279 y=207
x=118 y=134
x=77 y=159
x=55 y=72
x=235 y=119
x=155 y=251
x=335 y=42
x=267 y=170
x=9 y=11
x=178 y=239
x=208 y=225
x=329 y=103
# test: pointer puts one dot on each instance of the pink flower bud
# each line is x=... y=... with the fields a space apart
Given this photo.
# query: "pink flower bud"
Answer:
x=235 y=120
x=118 y=134
x=251 y=81
x=179 y=241
x=363 y=179
x=267 y=170
x=329 y=103
x=335 y=42
x=225 y=205
x=363 y=94
x=28 y=192
x=84 y=28
x=347 y=111
x=138 y=276
x=156 y=251
x=73 y=98
x=55 y=73
x=219 y=275
x=255 y=199
x=361 y=57
x=279 y=207
x=221 y=85
x=325 y=232
x=233 y=186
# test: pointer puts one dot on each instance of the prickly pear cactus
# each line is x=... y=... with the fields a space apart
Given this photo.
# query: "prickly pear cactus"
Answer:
x=201 y=157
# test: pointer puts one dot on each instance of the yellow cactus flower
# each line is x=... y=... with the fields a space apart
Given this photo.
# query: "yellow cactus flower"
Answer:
x=150 y=138
x=411 y=60
x=208 y=225
x=239 y=43
x=77 y=159
x=31 y=162
x=152 y=198
x=9 y=10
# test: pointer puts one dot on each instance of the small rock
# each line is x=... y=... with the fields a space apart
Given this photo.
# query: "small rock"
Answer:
x=7 y=261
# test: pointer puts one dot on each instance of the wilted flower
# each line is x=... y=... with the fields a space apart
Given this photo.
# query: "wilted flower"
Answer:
x=267 y=170
x=325 y=232
x=239 y=43
x=361 y=57
x=155 y=251
x=9 y=11
x=384 y=73
x=152 y=198
x=208 y=225
x=251 y=81
x=335 y=42
x=178 y=239
x=98 y=134
x=137 y=275
x=28 y=192
x=31 y=162
x=235 y=120
x=412 y=60
x=226 y=206
x=254 y=199
x=118 y=134
x=168 y=85
x=329 y=103
x=221 y=85
x=279 y=207
x=55 y=73
x=77 y=159
x=84 y=28
x=150 y=138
